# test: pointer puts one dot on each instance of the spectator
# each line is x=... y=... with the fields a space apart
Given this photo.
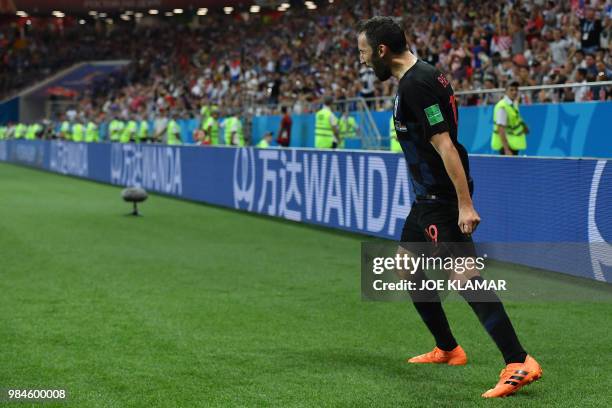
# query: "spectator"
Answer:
x=174 y=65
x=590 y=66
x=559 y=48
x=590 y=30
x=581 y=93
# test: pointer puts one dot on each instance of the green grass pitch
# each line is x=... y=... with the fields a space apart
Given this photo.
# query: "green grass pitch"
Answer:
x=193 y=305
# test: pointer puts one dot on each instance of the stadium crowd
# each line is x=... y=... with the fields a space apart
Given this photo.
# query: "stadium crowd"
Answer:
x=295 y=58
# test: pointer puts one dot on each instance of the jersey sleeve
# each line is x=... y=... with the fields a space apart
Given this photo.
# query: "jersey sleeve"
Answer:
x=422 y=100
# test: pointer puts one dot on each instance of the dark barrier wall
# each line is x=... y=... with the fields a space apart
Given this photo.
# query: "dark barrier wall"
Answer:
x=557 y=130
x=9 y=111
x=519 y=199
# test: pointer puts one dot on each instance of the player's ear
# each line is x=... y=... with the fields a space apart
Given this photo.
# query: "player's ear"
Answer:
x=382 y=50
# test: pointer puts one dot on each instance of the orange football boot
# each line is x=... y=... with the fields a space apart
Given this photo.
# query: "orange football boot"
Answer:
x=514 y=377
x=437 y=356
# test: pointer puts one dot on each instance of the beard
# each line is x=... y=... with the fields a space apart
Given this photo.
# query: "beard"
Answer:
x=382 y=71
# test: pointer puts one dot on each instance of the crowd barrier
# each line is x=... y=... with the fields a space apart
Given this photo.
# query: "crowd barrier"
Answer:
x=520 y=200
x=556 y=130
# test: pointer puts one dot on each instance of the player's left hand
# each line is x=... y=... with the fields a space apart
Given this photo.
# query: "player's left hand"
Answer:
x=468 y=219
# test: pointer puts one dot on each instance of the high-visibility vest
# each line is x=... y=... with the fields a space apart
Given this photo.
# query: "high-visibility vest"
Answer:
x=263 y=144
x=213 y=133
x=515 y=132
x=20 y=131
x=394 y=144
x=129 y=131
x=65 y=130
x=205 y=112
x=91 y=133
x=172 y=131
x=115 y=128
x=347 y=128
x=2 y=132
x=324 y=132
x=32 y=130
x=229 y=126
x=78 y=134
x=143 y=130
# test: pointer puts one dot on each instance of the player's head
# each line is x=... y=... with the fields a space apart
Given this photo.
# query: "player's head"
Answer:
x=379 y=38
x=512 y=90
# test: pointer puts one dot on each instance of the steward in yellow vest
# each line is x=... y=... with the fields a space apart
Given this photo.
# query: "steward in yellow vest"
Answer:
x=509 y=129
x=347 y=128
x=143 y=130
x=78 y=132
x=326 y=127
x=92 y=131
x=115 y=128
x=211 y=128
x=65 y=130
x=33 y=131
x=128 y=134
x=20 y=131
x=265 y=141
x=173 y=132
x=233 y=131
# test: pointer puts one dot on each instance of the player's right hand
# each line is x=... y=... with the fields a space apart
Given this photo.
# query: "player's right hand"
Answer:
x=468 y=219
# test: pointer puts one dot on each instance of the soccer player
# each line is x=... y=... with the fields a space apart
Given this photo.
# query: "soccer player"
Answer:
x=425 y=119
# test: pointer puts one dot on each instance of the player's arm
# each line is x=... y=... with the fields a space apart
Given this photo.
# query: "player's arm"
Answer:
x=468 y=217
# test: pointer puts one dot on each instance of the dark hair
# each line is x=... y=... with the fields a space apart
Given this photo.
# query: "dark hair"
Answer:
x=383 y=30
x=582 y=71
x=513 y=84
x=284 y=109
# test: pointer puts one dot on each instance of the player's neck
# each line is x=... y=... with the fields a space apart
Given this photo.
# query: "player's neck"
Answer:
x=401 y=64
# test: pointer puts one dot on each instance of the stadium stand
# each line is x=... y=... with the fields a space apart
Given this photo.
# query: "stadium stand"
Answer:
x=255 y=63
x=482 y=44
